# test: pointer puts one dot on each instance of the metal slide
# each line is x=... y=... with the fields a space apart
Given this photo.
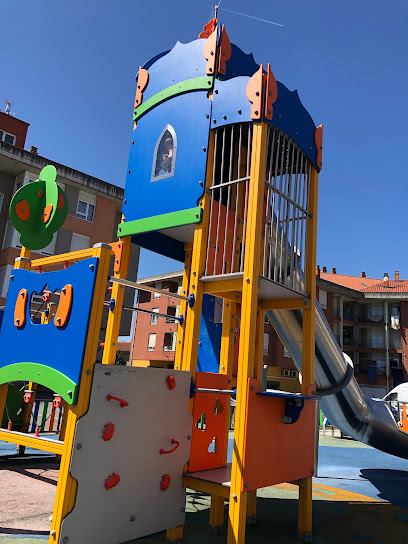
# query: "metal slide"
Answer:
x=342 y=401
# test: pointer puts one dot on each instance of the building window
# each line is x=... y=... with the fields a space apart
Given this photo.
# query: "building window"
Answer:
x=48 y=250
x=266 y=344
x=86 y=206
x=154 y=318
x=164 y=158
x=171 y=310
x=157 y=285
x=6 y=137
x=286 y=353
x=152 y=342
x=169 y=343
x=79 y=242
x=323 y=299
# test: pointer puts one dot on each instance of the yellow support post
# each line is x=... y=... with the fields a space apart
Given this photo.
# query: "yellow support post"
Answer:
x=193 y=317
x=226 y=361
x=238 y=498
x=308 y=350
x=117 y=294
x=260 y=327
x=199 y=253
x=178 y=358
x=66 y=487
x=217 y=514
x=24 y=263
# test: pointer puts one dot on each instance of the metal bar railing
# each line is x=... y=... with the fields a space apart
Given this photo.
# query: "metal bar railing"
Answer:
x=141 y=287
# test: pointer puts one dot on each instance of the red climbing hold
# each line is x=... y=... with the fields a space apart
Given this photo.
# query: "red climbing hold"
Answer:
x=123 y=403
x=165 y=482
x=57 y=401
x=173 y=441
x=108 y=431
x=171 y=382
x=112 y=481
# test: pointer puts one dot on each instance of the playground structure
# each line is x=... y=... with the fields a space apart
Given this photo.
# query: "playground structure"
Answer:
x=222 y=176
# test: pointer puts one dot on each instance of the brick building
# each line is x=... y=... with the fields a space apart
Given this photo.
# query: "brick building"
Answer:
x=94 y=205
x=154 y=337
x=368 y=317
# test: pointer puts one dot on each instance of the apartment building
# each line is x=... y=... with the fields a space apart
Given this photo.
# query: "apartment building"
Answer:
x=368 y=316
x=94 y=205
x=154 y=337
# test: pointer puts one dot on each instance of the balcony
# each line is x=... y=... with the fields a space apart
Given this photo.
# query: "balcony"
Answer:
x=395 y=344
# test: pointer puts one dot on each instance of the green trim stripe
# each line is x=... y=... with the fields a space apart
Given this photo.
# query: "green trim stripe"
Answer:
x=42 y=374
x=160 y=222
x=190 y=85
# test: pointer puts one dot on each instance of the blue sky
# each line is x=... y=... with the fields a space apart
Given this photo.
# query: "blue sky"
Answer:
x=70 y=68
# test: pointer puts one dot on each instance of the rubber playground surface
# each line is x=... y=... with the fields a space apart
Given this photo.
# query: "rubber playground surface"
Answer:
x=361 y=495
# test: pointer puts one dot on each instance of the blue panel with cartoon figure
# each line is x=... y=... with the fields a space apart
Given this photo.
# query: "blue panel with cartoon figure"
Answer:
x=50 y=354
x=168 y=155
x=168 y=159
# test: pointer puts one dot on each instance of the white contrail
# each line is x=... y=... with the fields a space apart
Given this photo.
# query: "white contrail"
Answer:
x=239 y=13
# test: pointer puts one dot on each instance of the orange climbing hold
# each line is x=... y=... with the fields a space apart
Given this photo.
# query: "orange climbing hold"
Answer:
x=20 y=309
x=61 y=201
x=47 y=213
x=23 y=210
x=64 y=307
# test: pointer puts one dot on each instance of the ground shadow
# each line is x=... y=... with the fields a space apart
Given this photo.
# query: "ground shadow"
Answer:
x=391 y=484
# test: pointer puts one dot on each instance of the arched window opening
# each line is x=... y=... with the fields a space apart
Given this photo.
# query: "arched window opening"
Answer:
x=164 y=159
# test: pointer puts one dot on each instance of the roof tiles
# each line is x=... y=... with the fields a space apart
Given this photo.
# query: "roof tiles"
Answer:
x=366 y=285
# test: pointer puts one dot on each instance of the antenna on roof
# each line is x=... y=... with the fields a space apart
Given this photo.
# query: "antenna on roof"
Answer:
x=217 y=7
x=8 y=103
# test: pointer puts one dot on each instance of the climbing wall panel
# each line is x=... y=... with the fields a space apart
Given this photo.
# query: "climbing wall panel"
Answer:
x=128 y=456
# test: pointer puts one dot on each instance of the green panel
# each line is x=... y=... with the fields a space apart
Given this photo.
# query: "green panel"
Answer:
x=34 y=234
x=44 y=375
x=160 y=222
x=49 y=175
x=195 y=84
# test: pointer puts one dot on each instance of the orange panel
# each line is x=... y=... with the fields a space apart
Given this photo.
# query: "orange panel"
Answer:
x=215 y=423
x=403 y=424
x=117 y=248
x=274 y=451
x=271 y=93
x=254 y=93
x=142 y=81
x=319 y=145
x=208 y=28
x=20 y=309
x=209 y=52
x=64 y=307
x=47 y=213
x=225 y=51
